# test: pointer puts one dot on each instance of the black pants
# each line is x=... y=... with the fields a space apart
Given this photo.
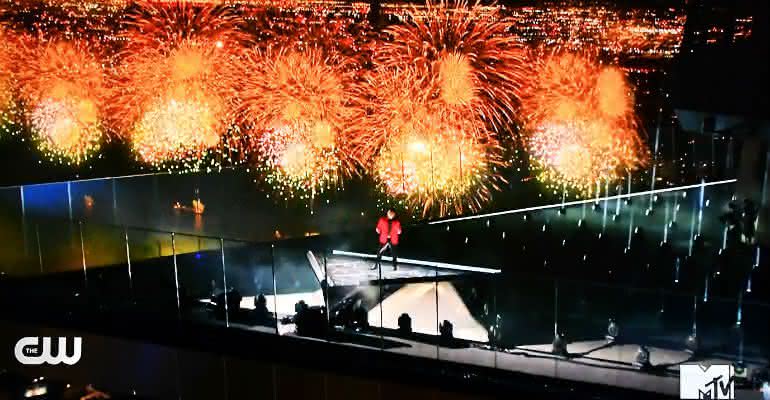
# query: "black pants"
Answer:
x=392 y=248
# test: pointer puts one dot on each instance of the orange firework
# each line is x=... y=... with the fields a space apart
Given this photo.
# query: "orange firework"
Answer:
x=166 y=24
x=390 y=102
x=9 y=45
x=300 y=101
x=431 y=158
x=581 y=123
x=62 y=86
x=439 y=170
x=174 y=87
x=476 y=66
x=175 y=105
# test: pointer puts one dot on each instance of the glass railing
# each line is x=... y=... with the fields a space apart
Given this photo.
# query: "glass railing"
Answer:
x=597 y=291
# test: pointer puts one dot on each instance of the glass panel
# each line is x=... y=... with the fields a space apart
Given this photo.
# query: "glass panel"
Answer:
x=248 y=276
x=106 y=261
x=466 y=315
x=178 y=197
x=94 y=200
x=353 y=292
x=137 y=201
x=199 y=265
x=18 y=250
x=153 y=278
x=61 y=264
x=47 y=200
x=298 y=278
x=525 y=321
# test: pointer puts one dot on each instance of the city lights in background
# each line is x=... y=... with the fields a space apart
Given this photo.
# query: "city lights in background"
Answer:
x=309 y=94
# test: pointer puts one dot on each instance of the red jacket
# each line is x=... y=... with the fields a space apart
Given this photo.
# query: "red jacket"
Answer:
x=388 y=228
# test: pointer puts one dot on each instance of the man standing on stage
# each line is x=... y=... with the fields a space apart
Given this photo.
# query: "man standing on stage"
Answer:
x=388 y=228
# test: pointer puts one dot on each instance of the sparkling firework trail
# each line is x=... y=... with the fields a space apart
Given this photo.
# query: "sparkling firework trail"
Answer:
x=62 y=85
x=581 y=124
x=390 y=102
x=299 y=104
x=477 y=67
x=9 y=49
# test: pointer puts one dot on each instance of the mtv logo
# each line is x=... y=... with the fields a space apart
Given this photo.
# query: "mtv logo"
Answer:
x=706 y=382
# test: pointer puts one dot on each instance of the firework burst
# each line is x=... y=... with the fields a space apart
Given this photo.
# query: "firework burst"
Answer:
x=390 y=102
x=581 y=125
x=299 y=103
x=174 y=87
x=62 y=85
x=441 y=171
x=427 y=157
x=476 y=66
x=175 y=107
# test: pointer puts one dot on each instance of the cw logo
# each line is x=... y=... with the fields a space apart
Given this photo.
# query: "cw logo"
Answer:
x=29 y=351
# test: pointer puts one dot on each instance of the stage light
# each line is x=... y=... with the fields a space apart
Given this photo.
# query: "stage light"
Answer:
x=613 y=330
x=559 y=345
x=642 y=358
x=692 y=343
x=38 y=389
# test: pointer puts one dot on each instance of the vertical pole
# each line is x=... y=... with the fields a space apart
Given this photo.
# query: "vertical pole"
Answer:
x=326 y=290
x=69 y=199
x=630 y=228
x=700 y=204
x=224 y=280
x=23 y=220
x=692 y=234
x=629 y=184
x=83 y=253
x=128 y=261
x=438 y=324
x=665 y=224
x=275 y=286
x=379 y=300
x=495 y=344
x=655 y=157
x=176 y=274
x=114 y=201
x=695 y=316
x=555 y=308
